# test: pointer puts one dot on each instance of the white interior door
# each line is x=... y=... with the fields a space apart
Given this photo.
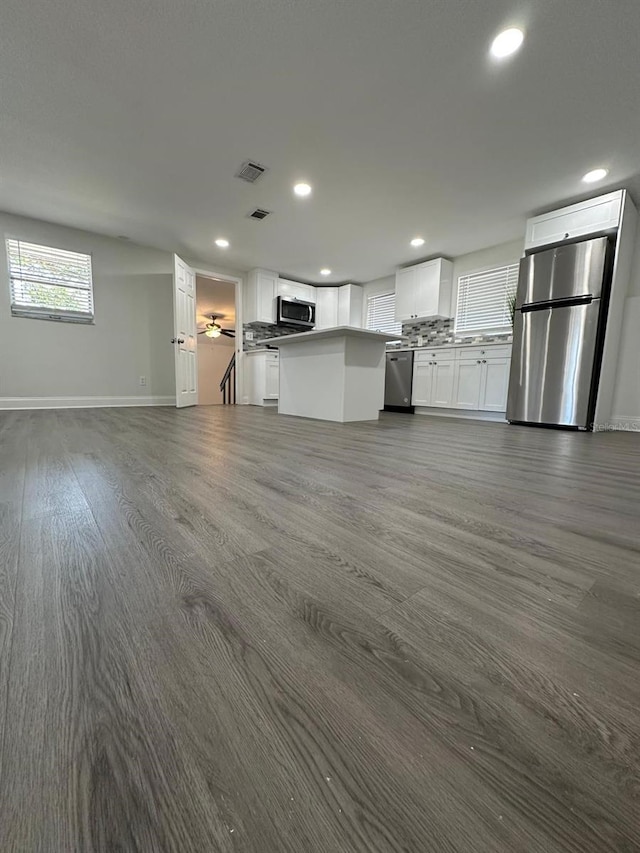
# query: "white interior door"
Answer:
x=184 y=333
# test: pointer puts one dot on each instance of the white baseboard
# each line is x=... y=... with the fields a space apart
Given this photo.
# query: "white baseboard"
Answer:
x=9 y=403
x=469 y=414
x=623 y=423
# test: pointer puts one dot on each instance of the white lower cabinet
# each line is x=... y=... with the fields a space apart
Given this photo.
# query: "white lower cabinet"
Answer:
x=262 y=377
x=467 y=384
x=443 y=380
x=470 y=378
x=272 y=378
x=494 y=384
x=433 y=380
x=422 y=384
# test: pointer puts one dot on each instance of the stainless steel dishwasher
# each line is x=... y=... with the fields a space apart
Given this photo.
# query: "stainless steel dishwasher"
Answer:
x=398 y=382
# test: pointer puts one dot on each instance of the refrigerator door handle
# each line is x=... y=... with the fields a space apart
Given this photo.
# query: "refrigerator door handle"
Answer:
x=558 y=303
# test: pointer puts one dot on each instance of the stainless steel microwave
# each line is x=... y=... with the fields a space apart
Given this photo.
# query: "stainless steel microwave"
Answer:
x=295 y=312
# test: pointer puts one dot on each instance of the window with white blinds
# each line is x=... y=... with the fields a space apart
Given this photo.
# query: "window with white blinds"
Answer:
x=484 y=300
x=48 y=283
x=381 y=314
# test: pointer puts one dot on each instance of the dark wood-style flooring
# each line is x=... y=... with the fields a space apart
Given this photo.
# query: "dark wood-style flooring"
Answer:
x=226 y=630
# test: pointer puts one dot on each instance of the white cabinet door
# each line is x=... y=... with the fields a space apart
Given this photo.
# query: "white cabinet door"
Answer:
x=494 y=384
x=326 y=307
x=405 y=293
x=272 y=379
x=422 y=383
x=443 y=382
x=424 y=290
x=184 y=336
x=261 y=292
x=577 y=220
x=350 y=302
x=467 y=383
x=295 y=289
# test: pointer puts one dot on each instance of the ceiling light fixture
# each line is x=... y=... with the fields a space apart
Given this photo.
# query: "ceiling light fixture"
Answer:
x=302 y=190
x=325 y=271
x=417 y=241
x=595 y=175
x=213 y=333
x=221 y=243
x=506 y=42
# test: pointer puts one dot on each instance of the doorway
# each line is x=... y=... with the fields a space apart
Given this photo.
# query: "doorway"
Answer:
x=216 y=340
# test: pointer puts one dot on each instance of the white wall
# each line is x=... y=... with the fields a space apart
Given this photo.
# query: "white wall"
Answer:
x=626 y=401
x=43 y=360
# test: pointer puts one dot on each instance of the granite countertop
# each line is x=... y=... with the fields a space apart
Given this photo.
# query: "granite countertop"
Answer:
x=451 y=344
x=260 y=349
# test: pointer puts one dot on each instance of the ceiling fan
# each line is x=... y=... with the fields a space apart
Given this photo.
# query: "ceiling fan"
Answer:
x=214 y=329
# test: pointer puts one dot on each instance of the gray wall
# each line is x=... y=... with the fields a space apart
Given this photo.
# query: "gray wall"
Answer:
x=626 y=402
x=130 y=338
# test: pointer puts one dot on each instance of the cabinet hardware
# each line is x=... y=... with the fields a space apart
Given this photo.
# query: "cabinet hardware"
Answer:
x=177 y=340
x=484 y=360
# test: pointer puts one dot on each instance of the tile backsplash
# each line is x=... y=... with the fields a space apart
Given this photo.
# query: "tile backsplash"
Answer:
x=265 y=330
x=429 y=333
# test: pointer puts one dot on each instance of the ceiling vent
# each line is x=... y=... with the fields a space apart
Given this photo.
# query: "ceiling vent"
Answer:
x=250 y=171
x=259 y=213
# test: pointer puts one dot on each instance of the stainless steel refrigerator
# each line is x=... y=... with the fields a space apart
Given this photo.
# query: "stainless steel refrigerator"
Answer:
x=558 y=331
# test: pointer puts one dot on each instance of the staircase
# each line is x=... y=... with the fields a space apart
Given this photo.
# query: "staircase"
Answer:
x=228 y=383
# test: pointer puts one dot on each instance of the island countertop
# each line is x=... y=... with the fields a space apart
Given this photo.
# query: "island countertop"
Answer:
x=334 y=332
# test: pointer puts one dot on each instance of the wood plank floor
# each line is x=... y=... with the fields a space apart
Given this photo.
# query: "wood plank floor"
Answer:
x=226 y=630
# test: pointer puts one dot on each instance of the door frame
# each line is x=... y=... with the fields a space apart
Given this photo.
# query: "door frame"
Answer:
x=237 y=281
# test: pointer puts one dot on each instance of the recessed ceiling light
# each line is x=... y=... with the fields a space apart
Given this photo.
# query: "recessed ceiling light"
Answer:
x=506 y=42
x=595 y=175
x=325 y=271
x=221 y=243
x=302 y=189
x=417 y=241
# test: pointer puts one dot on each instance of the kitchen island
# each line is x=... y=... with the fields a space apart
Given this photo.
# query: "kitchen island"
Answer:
x=332 y=374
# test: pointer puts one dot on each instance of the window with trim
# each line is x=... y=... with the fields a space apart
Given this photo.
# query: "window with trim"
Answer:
x=49 y=283
x=485 y=300
x=381 y=314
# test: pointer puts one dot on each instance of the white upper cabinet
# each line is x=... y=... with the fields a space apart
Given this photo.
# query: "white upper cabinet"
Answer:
x=578 y=220
x=350 y=298
x=326 y=307
x=295 y=290
x=424 y=290
x=260 y=294
x=339 y=306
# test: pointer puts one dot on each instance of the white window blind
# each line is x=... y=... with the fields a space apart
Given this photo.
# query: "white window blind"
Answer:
x=381 y=314
x=483 y=300
x=49 y=283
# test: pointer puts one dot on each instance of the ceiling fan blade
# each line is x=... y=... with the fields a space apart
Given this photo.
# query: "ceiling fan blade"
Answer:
x=230 y=333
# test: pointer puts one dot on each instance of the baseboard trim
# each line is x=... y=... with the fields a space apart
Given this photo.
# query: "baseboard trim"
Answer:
x=467 y=414
x=625 y=423
x=13 y=403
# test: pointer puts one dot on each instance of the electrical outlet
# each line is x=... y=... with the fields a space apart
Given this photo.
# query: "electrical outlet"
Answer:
x=249 y=336
x=143 y=380
x=420 y=340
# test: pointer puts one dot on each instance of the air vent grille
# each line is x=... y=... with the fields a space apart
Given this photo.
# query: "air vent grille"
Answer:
x=259 y=213
x=250 y=171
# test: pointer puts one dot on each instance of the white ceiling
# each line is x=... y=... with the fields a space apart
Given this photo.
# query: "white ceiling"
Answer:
x=130 y=118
